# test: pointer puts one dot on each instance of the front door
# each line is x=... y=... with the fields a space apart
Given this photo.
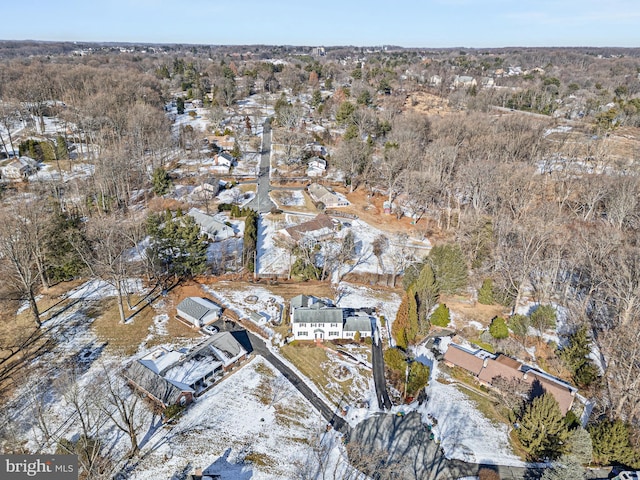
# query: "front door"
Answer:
x=319 y=336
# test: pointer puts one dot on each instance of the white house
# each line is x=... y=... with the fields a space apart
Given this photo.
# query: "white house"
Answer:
x=198 y=311
x=464 y=81
x=316 y=167
x=225 y=159
x=313 y=319
x=212 y=227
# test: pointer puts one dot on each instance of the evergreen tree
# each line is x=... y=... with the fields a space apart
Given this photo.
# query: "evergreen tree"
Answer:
x=485 y=294
x=575 y=357
x=519 y=325
x=180 y=105
x=399 y=326
x=498 y=328
x=566 y=468
x=611 y=442
x=449 y=267
x=542 y=431
x=161 y=181
x=177 y=246
x=543 y=317
x=62 y=152
x=426 y=290
x=413 y=328
x=580 y=445
x=441 y=316
x=250 y=240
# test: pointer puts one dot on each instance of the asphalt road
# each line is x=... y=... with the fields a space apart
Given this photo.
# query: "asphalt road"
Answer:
x=262 y=203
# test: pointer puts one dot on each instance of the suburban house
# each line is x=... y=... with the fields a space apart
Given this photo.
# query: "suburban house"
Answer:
x=212 y=227
x=313 y=319
x=225 y=159
x=329 y=199
x=19 y=168
x=316 y=167
x=320 y=228
x=487 y=82
x=171 y=377
x=487 y=367
x=464 y=81
x=198 y=311
x=435 y=80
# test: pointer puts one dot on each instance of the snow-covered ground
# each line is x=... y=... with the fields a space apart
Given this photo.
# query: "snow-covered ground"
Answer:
x=252 y=425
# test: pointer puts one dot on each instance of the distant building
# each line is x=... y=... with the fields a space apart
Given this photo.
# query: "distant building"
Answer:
x=320 y=194
x=212 y=227
x=320 y=228
x=316 y=167
x=435 y=80
x=18 y=169
x=463 y=81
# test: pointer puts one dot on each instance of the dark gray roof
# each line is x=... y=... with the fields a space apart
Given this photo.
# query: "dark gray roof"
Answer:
x=226 y=344
x=153 y=383
x=211 y=225
x=318 y=315
x=194 y=309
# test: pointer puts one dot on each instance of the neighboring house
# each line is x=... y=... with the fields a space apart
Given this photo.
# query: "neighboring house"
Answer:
x=198 y=311
x=19 y=168
x=225 y=159
x=462 y=81
x=319 y=322
x=487 y=367
x=487 y=82
x=212 y=227
x=514 y=71
x=435 y=80
x=316 y=167
x=329 y=199
x=320 y=228
x=171 y=377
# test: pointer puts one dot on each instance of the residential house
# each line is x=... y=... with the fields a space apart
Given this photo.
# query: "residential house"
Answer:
x=487 y=367
x=225 y=159
x=303 y=301
x=320 y=228
x=171 y=377
x=214 y=228
x=320 y=194
x=514 y=71
x=198 y=311
x=18 y=169
x=320 y=322
x=463 y=81
x=435 y=80
x=316 y=167
x=487 y=82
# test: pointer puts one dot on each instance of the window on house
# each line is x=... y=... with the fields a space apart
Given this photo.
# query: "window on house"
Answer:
x=334 y=334
x=303 y=334
x=334 y=325
x=302 y=325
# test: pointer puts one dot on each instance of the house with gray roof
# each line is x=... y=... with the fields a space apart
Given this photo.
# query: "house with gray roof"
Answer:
x=320 y=322
x=211 y=226
x=198 y=311
x=170 y=377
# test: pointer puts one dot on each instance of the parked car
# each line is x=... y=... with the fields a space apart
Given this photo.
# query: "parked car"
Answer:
x=211 y=329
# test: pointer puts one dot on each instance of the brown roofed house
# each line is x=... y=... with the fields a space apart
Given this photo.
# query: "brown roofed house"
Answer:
x=462 y=358
x=502 y=366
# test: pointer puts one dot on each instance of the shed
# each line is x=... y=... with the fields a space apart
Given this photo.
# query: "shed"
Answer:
x=198 y=311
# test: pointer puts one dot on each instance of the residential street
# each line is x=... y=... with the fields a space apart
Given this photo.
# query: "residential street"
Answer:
x=261 y=202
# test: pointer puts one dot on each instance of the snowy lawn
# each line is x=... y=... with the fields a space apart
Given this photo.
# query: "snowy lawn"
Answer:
x=253 y=424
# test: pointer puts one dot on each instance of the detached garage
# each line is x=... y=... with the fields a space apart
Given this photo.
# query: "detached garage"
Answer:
x=198 y=311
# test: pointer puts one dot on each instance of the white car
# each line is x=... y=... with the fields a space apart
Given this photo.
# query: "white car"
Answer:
x=210 y=329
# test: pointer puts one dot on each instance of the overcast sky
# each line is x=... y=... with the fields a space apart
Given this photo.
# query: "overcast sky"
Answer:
x=418 y=23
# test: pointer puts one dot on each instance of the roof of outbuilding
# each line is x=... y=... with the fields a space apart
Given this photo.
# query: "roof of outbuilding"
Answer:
x=197 y=307
x=357 y=323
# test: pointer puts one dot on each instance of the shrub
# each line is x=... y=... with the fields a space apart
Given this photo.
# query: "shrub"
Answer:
x=395 y=359
x=543 y=317
x=441 y=316
x=498 y=328
x=357 y=337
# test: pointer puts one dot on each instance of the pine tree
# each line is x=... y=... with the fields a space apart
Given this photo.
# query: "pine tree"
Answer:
x=485 y=294
x=580 y=445
x=399 y=326
x=566 y=468
x=543 y=431
x=413 y=328
x=427 y=292
x=575 y=357
x=161 y=181
x=611 y=442
x=449 y=267
x=441 y=316
x=180 y=105
x=498 y=328
x=62 y=152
